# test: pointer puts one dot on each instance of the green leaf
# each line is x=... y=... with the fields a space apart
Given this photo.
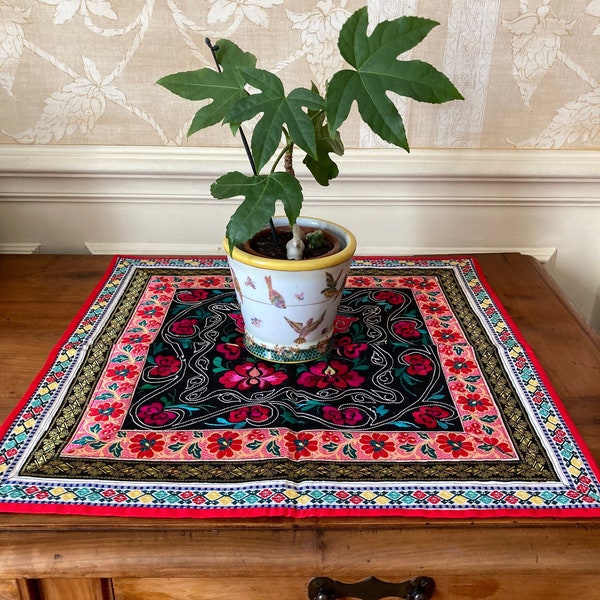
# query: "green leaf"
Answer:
x=278 y=110
x=322 y=167
x=224 y=88
x=377 y=71
x=260 y=194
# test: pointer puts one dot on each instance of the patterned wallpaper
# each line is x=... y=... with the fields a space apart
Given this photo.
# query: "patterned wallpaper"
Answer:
x=83 y=71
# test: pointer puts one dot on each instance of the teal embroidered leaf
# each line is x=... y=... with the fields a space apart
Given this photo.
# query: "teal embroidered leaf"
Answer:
x=427 y=450
x=349 y=451
x=116 y=449
x=194 y=450
x=273 y=448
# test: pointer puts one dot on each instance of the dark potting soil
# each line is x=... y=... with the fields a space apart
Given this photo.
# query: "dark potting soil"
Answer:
x=264 y=244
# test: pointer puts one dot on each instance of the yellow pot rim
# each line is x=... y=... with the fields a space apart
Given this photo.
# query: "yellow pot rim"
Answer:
x=313 y=264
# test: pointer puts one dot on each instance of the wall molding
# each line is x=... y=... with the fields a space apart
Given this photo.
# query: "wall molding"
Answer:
x=154 y=175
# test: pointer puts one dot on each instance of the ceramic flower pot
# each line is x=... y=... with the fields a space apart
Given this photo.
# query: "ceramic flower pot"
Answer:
x=289 y=307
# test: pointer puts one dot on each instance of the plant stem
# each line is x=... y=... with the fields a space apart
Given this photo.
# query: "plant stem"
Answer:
x=213 y=50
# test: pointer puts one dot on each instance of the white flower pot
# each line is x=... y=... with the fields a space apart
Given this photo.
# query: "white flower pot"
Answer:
x=288 y=306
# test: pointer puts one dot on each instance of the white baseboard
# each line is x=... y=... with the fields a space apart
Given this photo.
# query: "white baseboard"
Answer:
x=19 y=248
x=543 y=255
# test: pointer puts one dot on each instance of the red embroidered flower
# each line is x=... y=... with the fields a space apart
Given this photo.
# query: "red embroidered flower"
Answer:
x=231 y=350
x=239 y=322
x=335 y=373
x=256 y=413
x=348 y=348
x=459 y=366
x=378 y=445
x=184 y=327
x=210 y=282
x=390 y=297
x=300 y=444
x=474 y=403
x=145 y=445
x=495 y=443
x=342 y=323
x=345 y=416
x=107 y=410
x=151 y=311
x=137 y=338
x=165 y=366
x=446 y=336
x=429 y=415
x=433 y=308
x=122 y=372
x=456 y=444
x=155 y=413
x=225 y=444
x=192 y=295
x=160 y=288
x=249 y=375
x=418 y=364
x=406 y=329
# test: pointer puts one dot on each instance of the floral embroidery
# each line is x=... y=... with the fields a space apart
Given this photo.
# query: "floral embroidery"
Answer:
x=406 y=329
x=107 y=410
x=146 y=445
x=346 y=416
x=249 y=375
x=224 y=445
x=256 y=414
x=474 y=403
x=184 y=327
x=165 y=366
x=155 y=413
x=301 y=445
x=122 y=372
x=429 y=416
x=418 y=364
x=456 y=444
x=335 y=373
x=377 y=445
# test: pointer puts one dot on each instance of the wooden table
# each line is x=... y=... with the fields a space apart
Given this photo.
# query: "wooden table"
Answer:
x=87 y=558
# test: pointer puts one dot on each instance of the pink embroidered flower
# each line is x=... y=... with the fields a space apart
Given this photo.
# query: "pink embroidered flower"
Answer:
x=394 y=298
x=155 y=413
x=249 y=375
x=456 y=444
x=301 y=444
x=406 y=329
x=161 y=287
x=145 y=445
x=192 y=295
x=378 y=445
x=108 y=431
x=231 y=350
x=345 y=416
x=335 y=373
x=225 y=444
x=106 y=410
x=255 y=413
x=350 y=349
x=165 y=366
x=433 y=308
x=184 y=327
x=418 y=364
x=429 y=415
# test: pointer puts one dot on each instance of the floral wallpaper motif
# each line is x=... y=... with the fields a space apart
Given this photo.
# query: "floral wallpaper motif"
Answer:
x=84 y=71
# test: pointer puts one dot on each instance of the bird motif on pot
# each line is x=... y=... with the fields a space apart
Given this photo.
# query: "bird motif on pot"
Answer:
x=331 y=290
x=275 y=298
x=304 y=329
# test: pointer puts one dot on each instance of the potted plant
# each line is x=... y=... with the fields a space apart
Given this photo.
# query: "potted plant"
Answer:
x=289 y=294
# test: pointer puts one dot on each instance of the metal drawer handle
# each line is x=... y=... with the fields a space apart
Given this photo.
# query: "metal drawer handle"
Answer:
x=324 y=588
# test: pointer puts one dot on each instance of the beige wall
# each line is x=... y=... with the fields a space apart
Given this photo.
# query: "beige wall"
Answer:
x=83 y=71
x=89 y=145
